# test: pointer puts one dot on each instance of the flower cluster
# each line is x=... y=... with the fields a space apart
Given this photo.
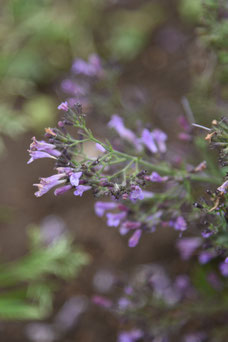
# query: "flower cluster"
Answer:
x=119 y=175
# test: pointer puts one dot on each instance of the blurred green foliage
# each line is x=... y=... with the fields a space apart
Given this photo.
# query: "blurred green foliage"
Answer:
x=27 y=285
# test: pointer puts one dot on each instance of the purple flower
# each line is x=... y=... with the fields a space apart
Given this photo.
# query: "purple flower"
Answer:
x=95 y=61
x=42 y=145
x=67 y=170
x=207 y=233
x=63 y=106
x=223 y=267
x=133 y=241
x=41 y=149
x=130 y=336
x=81 y=189
x=155 y=177
x=226 y=260
x=74 y=178
x=102 y=301
x=117 y=123
x=148 y=194
x=187 y=246
x=70 y=87
x=205 y=257
x=128 y=290
x=223 y=187
x=101 y=207
x=91 y=68
x=131 y=224
x=62 y=189
x=148 y=140
x=128 y=225
x=48 y=183
x=39 y=155
x=124 y=303
x=136 y=193
x=182 y=282
x=180 y=224
x=100 y=147
x=160 y=138
x=113 y=220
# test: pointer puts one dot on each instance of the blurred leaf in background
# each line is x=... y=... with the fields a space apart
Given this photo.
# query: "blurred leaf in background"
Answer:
x=28 y=284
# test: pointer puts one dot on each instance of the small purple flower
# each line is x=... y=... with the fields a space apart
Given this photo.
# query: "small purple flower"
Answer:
x=63 y=106
x=91 y=68
x=39 y=155
x=102 y=301
x=223 y=187
x=128 y=290
x=100 y=148
x=155 y=177
x=187 y=246
x=41 y=149
x=42 y=145
x=113 y=220
x=124 y=303
x=207 y=233
x=223 y=267
x=131 y=224
x=67 y=170
x=148 y=140
x=117 y=123
x=182 y=282
x=62 y=189
x=226 y=260
x=68 y=86
x=160 y=138
x=180 y=224
x=81 y=189
x=133 y=241
x=128 y=225
x=205 y=257
x=130 y=336
x=136 y=193
x=101 y=207
x=148 y=194
x=48 y=183
x=74 y=178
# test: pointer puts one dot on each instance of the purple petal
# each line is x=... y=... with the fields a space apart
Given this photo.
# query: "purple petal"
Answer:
x=136 y=193
x=113 y=220
x=100 y=147
x=148 y=141
x=63 y=106
x=117 y=123
x=187 y=246
x=81 y=189
x=133 y=241
x=74 y=178
x=62 y=189
x=38 y=155
x=180 y=224
x=101 y=207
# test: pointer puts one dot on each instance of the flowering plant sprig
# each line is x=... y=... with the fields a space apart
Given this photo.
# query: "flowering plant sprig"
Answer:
x=120 y=175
